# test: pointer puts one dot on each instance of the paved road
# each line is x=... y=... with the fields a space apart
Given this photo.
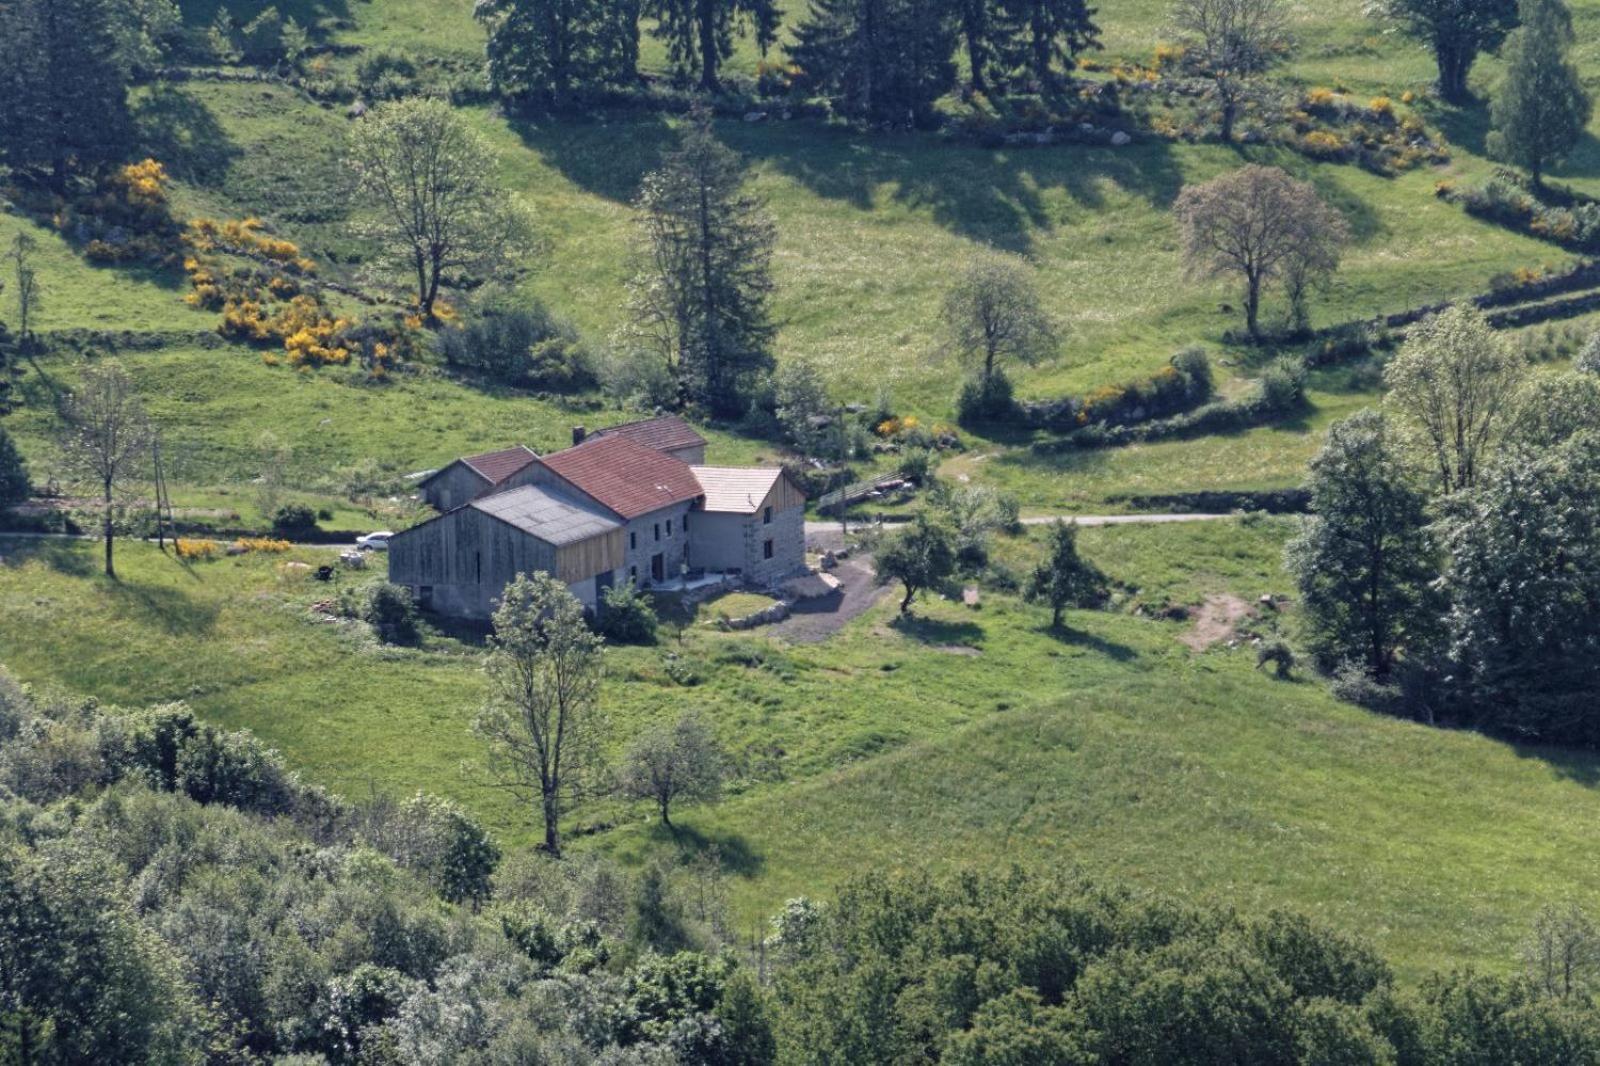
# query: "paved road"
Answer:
x=815 y=528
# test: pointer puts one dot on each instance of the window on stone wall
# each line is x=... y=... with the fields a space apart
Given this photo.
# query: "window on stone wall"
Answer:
x=658 y=530
x=766 y=550
x=766 y=517
x=633 y=540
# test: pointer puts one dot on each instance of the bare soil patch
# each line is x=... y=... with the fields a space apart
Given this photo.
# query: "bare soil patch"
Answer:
x=1216 y=621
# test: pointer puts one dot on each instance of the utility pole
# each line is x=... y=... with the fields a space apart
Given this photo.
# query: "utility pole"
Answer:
x=163 y=501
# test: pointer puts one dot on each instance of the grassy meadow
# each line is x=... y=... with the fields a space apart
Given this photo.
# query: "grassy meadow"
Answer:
x=969 y=736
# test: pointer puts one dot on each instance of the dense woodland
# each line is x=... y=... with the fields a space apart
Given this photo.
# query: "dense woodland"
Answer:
x=643 y=838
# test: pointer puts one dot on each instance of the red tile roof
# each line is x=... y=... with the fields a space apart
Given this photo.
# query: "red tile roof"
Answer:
x=628 y=478
x=668 y=433
x=495 y=467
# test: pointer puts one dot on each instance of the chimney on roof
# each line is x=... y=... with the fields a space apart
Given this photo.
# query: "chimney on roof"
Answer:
x=579 y=435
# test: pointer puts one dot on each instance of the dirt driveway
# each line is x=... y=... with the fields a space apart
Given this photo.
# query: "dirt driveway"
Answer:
x=814 y=621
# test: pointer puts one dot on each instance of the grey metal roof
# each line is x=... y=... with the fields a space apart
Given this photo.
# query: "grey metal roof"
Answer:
x=550 y=516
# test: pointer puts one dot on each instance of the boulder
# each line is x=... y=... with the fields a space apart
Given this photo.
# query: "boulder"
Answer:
x=1121 y=139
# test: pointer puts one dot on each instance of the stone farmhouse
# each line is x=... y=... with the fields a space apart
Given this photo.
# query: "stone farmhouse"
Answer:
x=634 y=502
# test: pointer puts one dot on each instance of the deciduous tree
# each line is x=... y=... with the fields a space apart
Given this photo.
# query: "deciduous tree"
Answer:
x=1458 y=31
x=701 y=301
x=1231 y=43
x=1523 y=578
x=27 y=291
x=921 y=556
x=674 y=763
x=1364 y=559
x=430 y=202
x=1541 y=109
x=543 y=721
x=105 y=438
x=1455 y=385
x=994 y=316
x=1259 y=224
x=14 y=485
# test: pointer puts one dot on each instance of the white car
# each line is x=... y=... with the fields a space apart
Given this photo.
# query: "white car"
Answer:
x=374 y=542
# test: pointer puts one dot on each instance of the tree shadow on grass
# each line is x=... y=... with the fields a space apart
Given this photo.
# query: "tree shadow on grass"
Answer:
x=605 y=158
x=1467 y=128
x=1580 y=767
x=167 y=609
x=732 y=851
x=993 y=196
x=940 y=633
x=1077 y=638
x=180 y=130
x=68 y=557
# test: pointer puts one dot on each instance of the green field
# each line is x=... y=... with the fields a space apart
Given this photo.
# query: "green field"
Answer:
x=968 y=737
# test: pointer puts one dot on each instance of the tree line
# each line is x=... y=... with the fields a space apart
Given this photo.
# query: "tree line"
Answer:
x=1452 y=564
x=874 y=60
x=170 y=892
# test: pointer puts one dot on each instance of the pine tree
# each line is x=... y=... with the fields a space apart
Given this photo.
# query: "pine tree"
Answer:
x=704 y=294
x=1043 y=36
x=1542 y=108
x=547 y=49
x=879 y=60
x=699 y=33
x=66 y=92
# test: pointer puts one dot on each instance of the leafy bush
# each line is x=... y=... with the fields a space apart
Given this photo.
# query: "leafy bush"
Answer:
x=524 y=347
x=294 y=520
x=626 y=615
x=388 y=608
x=1185 y=383
x=917 y=466
x=387 y=74
x=1283 y=386
x=985 y=398
x=1587 y=360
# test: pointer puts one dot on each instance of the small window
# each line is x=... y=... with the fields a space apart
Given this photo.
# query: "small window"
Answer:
x=766 y=550
x=633 y=540
x=669 y=527
x=766 y=517
x=425 y=596
x=658 y=530
x=633 y=574
x=685 y=524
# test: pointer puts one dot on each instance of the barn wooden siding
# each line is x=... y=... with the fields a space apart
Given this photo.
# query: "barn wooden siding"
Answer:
x=467 y=547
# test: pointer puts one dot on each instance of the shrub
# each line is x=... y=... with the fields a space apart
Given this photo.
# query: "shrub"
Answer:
x=1352 y=683
x=391 y=613
x=387 y=74
x=985 y=398
x=1283 y=385
x=294 y=520
x=1279 y=654
x=917 y=466
x=1588 y=358
x=626 y=615
x=196 y=550
x=526 y=347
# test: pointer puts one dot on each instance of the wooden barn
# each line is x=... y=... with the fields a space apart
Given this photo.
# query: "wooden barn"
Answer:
x=459 y=563
x=468 y=479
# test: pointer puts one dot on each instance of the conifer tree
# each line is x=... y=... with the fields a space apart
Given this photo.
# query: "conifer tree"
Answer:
x=703 y=295
x=548 y=49
x=1045 y=36
x=879 y=60
x=699 y=33
x=64 y=86
x=1542 y=108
